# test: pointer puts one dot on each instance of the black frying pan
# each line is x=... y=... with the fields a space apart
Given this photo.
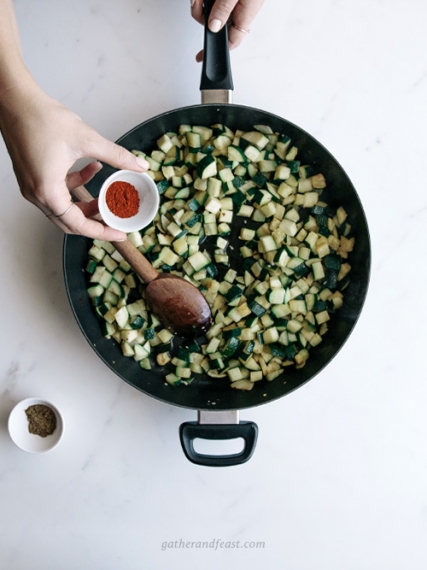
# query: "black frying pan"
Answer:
x=216 y=401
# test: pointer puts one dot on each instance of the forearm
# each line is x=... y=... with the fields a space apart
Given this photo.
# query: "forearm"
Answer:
x=13 y=71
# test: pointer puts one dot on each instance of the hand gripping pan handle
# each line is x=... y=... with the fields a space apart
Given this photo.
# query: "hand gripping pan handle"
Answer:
x=216 y=82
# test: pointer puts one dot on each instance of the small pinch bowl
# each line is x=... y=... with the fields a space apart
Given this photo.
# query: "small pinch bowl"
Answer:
x=148 y=201
x=19 y=432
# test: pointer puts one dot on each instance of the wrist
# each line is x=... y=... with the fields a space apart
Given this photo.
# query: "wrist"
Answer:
x=15 y=88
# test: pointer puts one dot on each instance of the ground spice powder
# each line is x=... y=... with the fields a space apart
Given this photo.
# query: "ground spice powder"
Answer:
x=41 y=420
x=122 y=199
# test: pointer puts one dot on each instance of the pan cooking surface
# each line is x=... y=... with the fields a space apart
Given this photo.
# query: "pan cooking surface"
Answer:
x=207 y=392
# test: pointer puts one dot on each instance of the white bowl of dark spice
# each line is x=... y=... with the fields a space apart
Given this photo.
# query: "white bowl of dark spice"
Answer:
x=35 y=425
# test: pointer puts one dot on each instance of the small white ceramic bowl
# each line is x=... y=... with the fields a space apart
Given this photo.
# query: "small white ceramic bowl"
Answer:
x=148 y=201
x=19 y=432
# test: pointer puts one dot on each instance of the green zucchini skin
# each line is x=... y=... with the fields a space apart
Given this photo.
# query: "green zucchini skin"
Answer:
x=272 y=297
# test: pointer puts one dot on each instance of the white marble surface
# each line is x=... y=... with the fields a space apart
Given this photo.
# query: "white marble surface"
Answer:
x=338 y=480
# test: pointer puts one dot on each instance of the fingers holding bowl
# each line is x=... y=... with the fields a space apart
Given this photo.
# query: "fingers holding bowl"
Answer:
x=79 y=220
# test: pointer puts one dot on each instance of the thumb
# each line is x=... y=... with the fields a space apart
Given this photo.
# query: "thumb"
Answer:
x=115 y=155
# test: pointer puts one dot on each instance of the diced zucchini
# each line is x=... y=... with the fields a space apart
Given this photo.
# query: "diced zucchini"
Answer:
x=273 y=305
x=270 y=335
x=198 y=260
x=207 y=167
x=256 y=138
x=242 y=385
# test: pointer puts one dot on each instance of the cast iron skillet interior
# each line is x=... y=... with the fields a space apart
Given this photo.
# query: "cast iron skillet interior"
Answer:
x=206 y=392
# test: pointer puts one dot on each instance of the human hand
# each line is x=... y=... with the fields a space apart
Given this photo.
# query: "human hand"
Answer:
x=238 y=13
x=44 y=140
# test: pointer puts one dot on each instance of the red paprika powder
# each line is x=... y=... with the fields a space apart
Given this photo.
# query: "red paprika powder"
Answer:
x=122 y=199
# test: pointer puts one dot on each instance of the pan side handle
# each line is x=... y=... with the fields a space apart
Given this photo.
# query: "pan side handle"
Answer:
x=216 y=69
x=189 y=431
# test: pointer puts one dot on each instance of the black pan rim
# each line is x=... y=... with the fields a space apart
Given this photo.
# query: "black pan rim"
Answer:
x=242 y=400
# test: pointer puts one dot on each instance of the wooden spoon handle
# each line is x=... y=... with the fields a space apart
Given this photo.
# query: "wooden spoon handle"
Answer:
x=131 y=254
x=136 y=260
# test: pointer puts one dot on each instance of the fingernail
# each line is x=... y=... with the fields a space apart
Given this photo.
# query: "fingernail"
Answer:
x=192 y=3
x=215 y=25
x=142 y=163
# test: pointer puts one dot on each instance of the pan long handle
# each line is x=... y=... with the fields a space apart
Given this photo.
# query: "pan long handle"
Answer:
x=216 y=82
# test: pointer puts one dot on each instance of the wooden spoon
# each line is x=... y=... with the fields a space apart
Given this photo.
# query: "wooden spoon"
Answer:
x=178 y=304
